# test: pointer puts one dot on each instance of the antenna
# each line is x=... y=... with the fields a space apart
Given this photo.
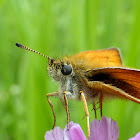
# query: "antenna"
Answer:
x=26 y=48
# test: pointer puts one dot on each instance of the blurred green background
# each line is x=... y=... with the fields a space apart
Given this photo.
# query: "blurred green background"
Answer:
x=58 y=28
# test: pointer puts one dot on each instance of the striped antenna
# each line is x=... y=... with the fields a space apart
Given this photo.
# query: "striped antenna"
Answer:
x=26 y=48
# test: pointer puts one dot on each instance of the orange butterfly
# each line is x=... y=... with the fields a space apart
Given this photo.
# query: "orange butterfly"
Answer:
x=92 y=76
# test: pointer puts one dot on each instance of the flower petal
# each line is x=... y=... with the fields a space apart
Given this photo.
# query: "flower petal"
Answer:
x=114 y=129
x=137 y=137
x=55 y=134
x=94 y=129
x=74 y=133
x=106 y=129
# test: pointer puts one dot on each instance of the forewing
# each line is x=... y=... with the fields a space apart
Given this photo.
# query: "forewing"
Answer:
x=123 y=81
x=99 y=58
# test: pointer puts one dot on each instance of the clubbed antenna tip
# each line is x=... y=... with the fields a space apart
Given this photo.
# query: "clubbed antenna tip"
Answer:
x=18 y=45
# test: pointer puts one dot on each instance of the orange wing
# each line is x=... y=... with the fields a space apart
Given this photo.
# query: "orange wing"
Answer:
x=120 y=81
x=99 y=58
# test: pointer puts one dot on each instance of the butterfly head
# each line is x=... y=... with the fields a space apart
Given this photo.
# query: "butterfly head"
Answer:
x=59 y=69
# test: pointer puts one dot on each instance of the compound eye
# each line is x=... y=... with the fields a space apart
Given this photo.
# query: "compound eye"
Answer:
x=66 y=69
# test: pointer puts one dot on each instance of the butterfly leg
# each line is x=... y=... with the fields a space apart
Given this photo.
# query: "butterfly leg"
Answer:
x=67 y=110
x=86 y=112
x=94 y=108
x=49 y=95
x=101 y=103
x=63 y=103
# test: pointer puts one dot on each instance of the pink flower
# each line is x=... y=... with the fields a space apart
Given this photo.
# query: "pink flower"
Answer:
x=74 y=133
x=106 y=129
x=137 y=137
x=55 y=134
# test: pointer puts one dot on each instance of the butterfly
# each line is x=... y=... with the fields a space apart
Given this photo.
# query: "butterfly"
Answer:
x=92 y=76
